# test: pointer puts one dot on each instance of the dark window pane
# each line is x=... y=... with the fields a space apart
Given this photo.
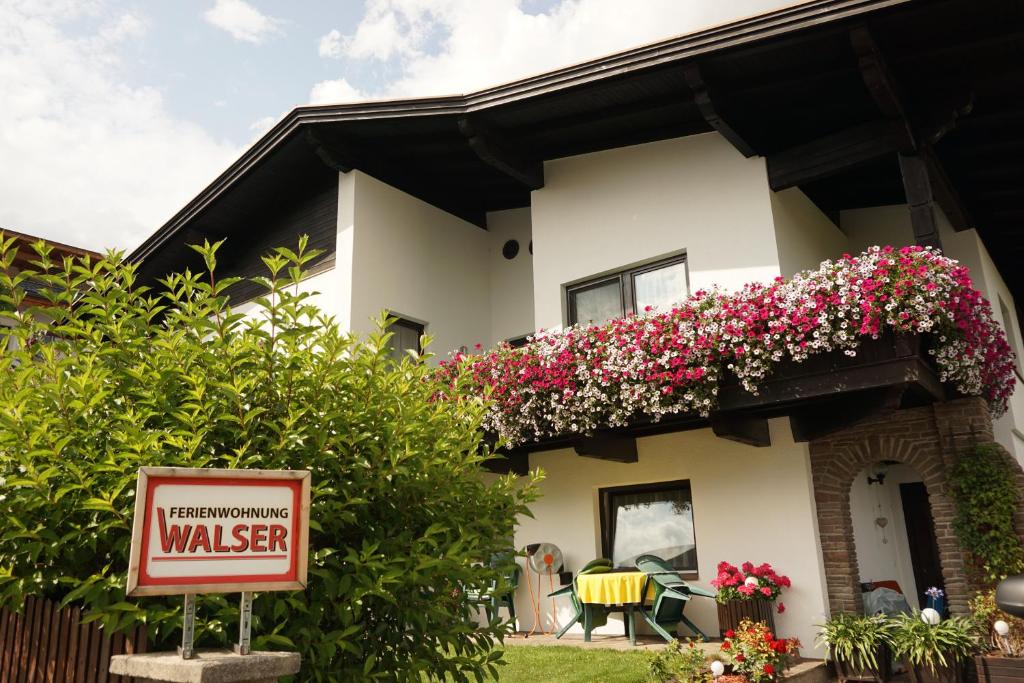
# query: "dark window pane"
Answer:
x=660 y=288
x=652 y=521
x=405 y=336
x=598 y=303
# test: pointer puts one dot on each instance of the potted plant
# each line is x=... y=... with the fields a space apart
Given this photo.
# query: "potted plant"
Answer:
x=756 y=653
x=1002 y=641
x=934 y=650
x=748 y=592
x=859 y=646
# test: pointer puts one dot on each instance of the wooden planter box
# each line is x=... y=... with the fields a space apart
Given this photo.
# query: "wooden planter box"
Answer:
x=953 y=673
x=999 y=669
x=845 y=672
x=731 y=613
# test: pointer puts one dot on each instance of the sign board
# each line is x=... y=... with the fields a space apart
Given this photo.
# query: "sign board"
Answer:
x=219 y=531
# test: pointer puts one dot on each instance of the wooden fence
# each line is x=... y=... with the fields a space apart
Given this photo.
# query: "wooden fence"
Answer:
x=46 y=644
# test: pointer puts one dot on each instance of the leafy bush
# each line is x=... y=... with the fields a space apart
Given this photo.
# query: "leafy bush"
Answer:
x=678 y=662
x=948 y=643
x=115 y=375
x=985 y=614
x=984 y=489
x=855 y=639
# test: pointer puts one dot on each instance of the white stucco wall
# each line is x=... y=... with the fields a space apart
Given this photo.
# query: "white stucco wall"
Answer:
x=804 y=235
x=511 y=280
x=418 y=261
x=883 y=553
x=876 y=226
x=608 y=210
x=748 y=504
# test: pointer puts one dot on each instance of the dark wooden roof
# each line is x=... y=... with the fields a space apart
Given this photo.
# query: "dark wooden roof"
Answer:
x=828 y=91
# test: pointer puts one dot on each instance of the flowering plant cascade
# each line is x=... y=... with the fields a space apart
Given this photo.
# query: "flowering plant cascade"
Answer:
x=749 y=582
x=756 y=652
x=583 y=378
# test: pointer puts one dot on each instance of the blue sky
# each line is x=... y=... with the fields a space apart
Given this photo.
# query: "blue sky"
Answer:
x=114 y=113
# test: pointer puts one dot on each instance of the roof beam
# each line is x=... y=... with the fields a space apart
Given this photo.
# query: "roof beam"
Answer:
x=706 y=105
x=498 y=154
x=832 y=154
x=924 y=179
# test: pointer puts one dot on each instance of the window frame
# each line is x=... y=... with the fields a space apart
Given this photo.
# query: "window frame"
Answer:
x=626 y=280
x=605 y=495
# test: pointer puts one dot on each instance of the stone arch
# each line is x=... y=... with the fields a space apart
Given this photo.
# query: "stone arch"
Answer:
x=923 y=438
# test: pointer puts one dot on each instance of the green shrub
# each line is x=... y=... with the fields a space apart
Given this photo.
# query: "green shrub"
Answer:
x=115 y=376
x=984 y=490
x=950 y=642
x=685 y=663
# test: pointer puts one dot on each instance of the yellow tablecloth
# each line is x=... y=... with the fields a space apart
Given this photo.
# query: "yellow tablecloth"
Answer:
x=612 y=588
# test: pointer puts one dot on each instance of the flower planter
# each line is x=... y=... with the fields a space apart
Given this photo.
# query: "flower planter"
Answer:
x=999 y=669
x=732 y=612
x=846 y=672
x=953 y=673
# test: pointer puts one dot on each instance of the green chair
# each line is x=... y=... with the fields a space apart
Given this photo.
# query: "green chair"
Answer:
x=493 y=597
x=671 y=594
x=598 y=614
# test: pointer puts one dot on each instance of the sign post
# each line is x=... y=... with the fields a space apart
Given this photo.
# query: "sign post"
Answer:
x=202 y=531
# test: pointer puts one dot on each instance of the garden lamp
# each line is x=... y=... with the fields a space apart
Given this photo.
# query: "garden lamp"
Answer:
x=717 y=669
x=1010 y=595
x=1002 y=630
x=930 y=616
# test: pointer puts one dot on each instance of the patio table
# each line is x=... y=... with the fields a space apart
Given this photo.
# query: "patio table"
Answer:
x=612 y=589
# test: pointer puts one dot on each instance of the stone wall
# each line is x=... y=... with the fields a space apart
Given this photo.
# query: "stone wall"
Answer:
x=926 y=439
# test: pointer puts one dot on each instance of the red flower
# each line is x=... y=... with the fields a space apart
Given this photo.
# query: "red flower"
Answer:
x=740 y=658
x=730 y=634
x=726 y=645
x=769 y=669
x=781 y=608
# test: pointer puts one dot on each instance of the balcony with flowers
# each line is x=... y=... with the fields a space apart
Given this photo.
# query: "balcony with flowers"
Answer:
x=857 y=329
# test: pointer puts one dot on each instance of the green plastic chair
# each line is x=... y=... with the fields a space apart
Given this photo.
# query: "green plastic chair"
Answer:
x=671 y=594
x=493 y=598
x=598 y=613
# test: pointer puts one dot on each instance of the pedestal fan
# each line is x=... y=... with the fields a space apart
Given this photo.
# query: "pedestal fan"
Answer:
x=542 y=558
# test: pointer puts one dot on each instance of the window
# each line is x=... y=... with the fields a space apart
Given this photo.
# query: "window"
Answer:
x=656 y=286
x=1011 y=335
x=650 y=518
x=517 y=342
x=405 y=336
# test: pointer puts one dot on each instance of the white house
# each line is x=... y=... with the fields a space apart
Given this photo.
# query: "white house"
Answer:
x=737 y=154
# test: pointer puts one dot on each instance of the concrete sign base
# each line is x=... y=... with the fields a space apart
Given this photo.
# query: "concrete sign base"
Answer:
x=208 y=666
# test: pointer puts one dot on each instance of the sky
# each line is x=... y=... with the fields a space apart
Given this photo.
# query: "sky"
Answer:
x=115 y=113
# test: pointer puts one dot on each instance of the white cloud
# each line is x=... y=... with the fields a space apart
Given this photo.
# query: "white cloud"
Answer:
x=242 y=21
x=452 y=46
x=333 y=92
x=331 y=44
x=89 y=159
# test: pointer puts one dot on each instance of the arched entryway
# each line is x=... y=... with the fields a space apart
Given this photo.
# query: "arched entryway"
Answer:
x=894 y=537
x=924 y=440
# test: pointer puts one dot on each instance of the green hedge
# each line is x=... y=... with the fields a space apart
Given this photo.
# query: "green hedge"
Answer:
x=114 y=376
x=983 y=486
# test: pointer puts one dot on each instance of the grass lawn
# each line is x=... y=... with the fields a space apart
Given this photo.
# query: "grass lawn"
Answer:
x=573 y=665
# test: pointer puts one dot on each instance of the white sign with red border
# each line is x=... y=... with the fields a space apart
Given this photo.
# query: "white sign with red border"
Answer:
x=219 y=531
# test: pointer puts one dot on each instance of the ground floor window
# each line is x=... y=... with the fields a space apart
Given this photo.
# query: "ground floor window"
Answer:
x=654 y=519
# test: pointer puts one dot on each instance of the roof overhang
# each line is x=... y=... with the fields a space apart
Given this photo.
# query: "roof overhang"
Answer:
x=828 y=90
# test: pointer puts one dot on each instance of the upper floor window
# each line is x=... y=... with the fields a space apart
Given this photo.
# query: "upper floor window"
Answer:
x=405 y=336
x=655 y=287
